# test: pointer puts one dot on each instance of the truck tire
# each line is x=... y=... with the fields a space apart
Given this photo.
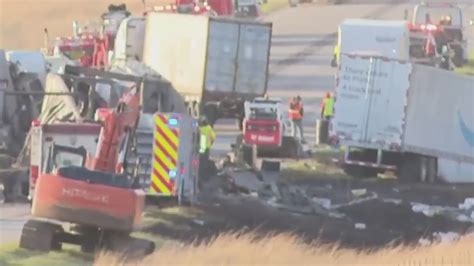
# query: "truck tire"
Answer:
x=432 y=174
x=414 y=168
x=458 y=58
x=40 y=236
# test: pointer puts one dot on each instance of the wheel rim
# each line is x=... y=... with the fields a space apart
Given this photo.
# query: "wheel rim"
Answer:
x=423 y=170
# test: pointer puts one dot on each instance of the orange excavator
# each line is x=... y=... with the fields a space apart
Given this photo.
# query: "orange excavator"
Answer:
x=92 y=193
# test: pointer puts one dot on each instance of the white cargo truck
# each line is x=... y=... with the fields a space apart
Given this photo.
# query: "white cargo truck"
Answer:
x=453 y=31
x=391 y=39
x=375 y=37
x=395 y=115
x=216 y=64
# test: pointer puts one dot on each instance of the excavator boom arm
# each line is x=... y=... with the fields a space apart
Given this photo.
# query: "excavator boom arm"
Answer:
x=117 y=126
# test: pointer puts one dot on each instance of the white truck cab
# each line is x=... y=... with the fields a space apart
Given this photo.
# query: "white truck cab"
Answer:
x=450 y=18
x=390 y=39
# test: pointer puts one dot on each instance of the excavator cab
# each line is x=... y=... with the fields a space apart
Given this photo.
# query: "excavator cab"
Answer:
x=63 y=156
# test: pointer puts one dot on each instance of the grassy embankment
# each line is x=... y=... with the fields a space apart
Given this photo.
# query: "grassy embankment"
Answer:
x=288 y=250
x=10 y=254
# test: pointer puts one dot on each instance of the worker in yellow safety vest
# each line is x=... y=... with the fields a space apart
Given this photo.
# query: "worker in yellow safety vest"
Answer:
x=207 y=138
x=327 y=107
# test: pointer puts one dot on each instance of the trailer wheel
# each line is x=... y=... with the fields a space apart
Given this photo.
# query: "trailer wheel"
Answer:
x=432 y=173
x=458 y=58
x=414 y=168
x=40 y=236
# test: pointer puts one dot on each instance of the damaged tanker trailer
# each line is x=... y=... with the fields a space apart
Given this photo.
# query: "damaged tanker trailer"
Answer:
x=21 y=94
x=413 y=119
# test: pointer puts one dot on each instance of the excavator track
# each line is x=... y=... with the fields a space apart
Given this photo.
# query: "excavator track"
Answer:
x=46 y=236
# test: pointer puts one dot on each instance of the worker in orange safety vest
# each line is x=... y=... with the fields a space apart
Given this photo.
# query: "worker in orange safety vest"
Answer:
x=296 y=114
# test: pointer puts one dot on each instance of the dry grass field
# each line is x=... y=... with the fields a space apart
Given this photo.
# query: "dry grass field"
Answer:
x=288 y=250
x=22 y=21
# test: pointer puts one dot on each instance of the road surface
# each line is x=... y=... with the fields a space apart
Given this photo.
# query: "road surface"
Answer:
x=303 y=39
x=12 y=219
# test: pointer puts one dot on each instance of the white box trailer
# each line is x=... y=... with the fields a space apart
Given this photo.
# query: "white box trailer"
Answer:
x=440 y=121
x=374 y=37
x=129 y=40
x=214 y=63
x=395 y=115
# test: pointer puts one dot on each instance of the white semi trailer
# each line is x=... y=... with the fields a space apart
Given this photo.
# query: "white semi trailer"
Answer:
x=216 y=64
x=395 y=115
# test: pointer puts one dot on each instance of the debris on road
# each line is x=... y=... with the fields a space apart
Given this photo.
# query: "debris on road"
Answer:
x=461 y=214
x=360 y=226
x=373 y=196
x=325 y=203
x=424 y=242
x=467 y=205
x=463 y=218
x=394 y=201
x=199 y=222
x=419 y=208
x=359 y=192
x=448 y=237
